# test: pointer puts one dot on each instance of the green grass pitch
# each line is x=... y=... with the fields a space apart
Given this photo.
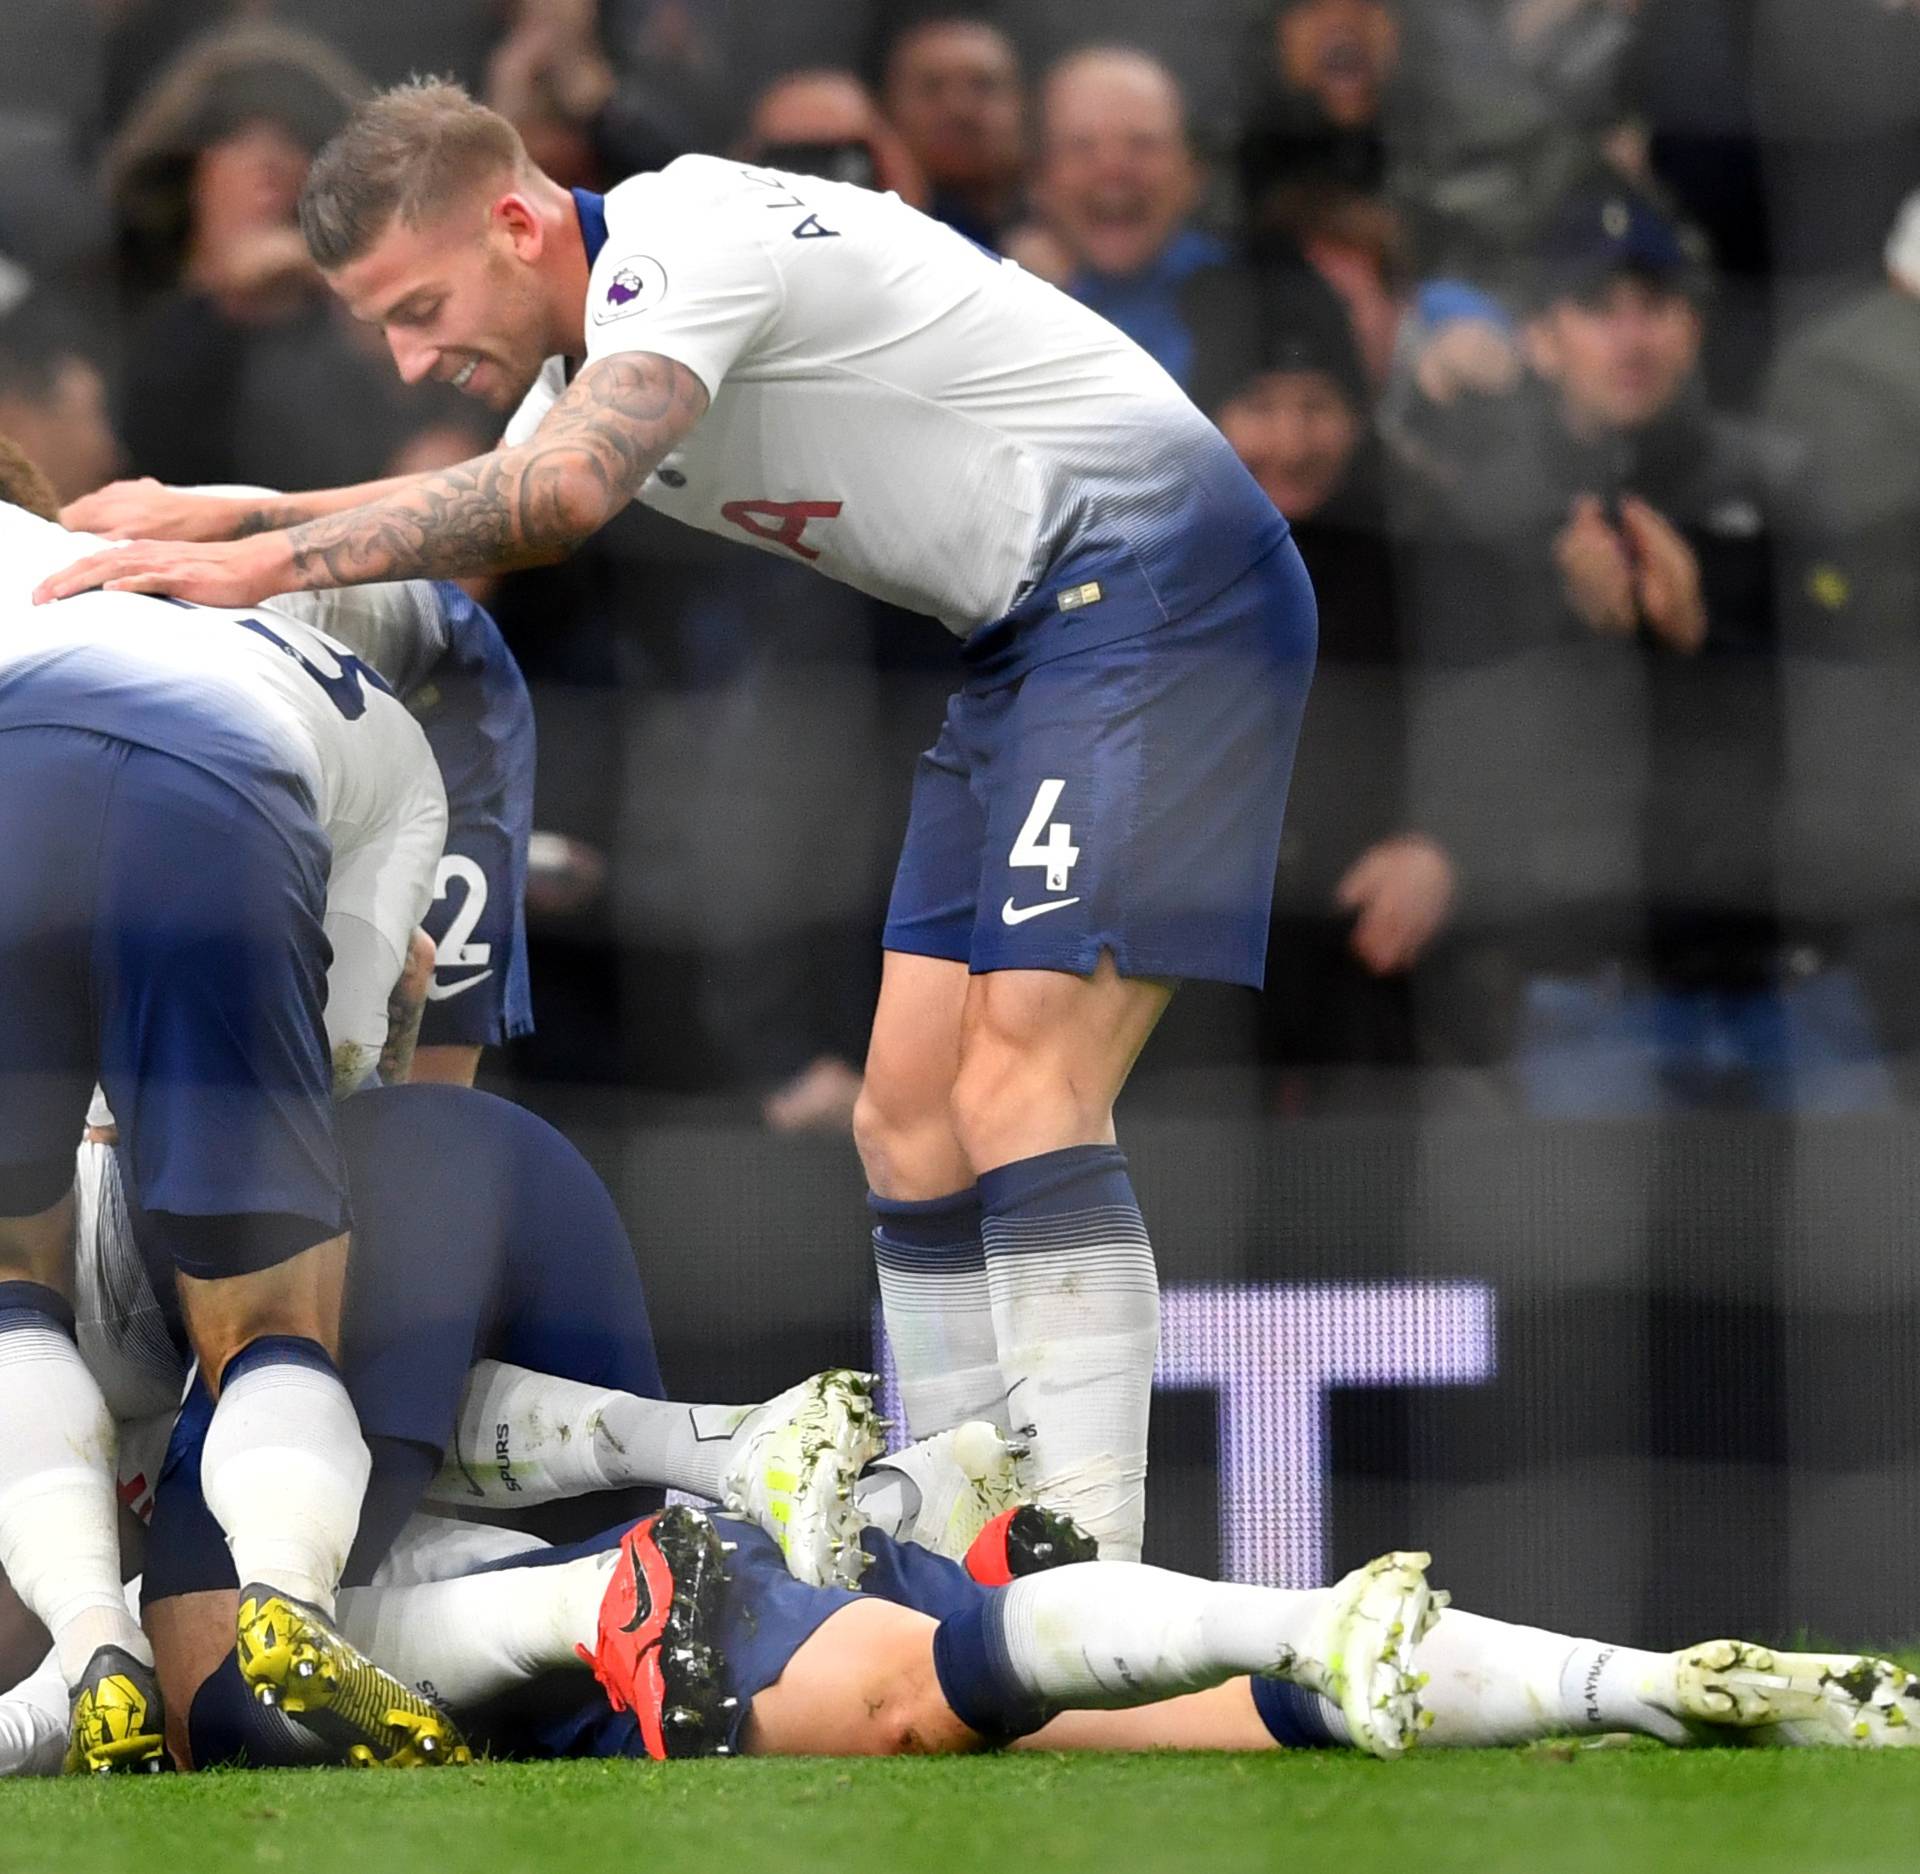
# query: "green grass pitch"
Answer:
x=1550 y=1810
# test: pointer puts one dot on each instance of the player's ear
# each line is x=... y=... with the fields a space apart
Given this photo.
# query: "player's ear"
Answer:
x=515 y=219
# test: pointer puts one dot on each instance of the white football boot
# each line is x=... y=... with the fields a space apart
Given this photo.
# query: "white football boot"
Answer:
x=793 y=1469
x=1837 y=1699
x=966 y=1476
x=1361 y=1656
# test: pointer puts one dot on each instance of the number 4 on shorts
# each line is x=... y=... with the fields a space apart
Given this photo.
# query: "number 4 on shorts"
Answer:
x=1055 y=852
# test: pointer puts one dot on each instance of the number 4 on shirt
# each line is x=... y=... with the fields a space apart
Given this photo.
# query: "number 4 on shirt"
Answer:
x=1056 y=852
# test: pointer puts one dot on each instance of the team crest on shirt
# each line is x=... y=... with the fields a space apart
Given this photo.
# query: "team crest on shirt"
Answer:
x=636 y=285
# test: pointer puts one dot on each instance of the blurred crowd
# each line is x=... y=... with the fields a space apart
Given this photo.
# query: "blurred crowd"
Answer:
x=1578 y=339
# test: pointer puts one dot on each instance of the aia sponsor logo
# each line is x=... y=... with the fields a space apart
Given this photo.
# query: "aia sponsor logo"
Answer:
x=782 y=522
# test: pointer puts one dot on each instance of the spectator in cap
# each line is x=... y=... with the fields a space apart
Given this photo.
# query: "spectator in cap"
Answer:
x=1116 y=186
x=1361 y=893
x=240 y=367
x=1597 y=742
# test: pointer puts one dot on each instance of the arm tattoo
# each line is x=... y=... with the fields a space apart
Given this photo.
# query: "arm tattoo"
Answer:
x=525 y=506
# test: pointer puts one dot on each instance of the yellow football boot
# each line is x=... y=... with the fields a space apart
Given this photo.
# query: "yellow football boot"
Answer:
x=116 y=1724
x=295 y=1659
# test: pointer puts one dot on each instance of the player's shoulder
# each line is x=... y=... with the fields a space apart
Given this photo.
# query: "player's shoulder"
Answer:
x=687 y=186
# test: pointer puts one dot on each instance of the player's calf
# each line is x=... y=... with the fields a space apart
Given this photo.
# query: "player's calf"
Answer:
x=59 y=1521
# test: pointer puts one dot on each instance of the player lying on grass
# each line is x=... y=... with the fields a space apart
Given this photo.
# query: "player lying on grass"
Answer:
x=703 y=1644
x=448 y=1182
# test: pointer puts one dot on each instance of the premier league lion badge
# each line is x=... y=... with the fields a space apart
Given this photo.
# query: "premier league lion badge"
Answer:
x=635 y=285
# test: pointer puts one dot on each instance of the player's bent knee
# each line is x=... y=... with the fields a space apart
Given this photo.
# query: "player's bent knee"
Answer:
x=299 y=1298
x=907 y=1148
x=38 y=1248
x=1010 y=1103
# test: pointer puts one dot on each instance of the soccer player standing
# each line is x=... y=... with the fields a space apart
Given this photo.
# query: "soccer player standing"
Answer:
x=825 y=374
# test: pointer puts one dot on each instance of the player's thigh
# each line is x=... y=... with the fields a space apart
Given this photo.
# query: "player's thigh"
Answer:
x=209 y=967
x=434 y=1194
x=1026 y=1030
x=54 y=785
x=862 y=1685
x=936 y=886
x=1135 y=792
x=300 y=1296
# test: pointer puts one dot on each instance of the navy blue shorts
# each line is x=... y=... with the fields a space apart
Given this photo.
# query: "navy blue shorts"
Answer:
x=480 y=1233
x=161 y=932
x=1127 y=797
x=478 y=720
x=765 y=1617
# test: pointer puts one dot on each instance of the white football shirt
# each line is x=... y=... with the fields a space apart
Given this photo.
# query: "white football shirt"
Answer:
x=239 y=692
x=891 y=404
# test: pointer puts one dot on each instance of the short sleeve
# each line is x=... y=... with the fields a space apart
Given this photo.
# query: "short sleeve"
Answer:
x=689 y=279
x=546 y=392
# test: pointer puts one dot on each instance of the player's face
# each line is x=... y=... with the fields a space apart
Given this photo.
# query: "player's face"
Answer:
x=1117 y=179
x=1296 y=433
x=1620 y=357
x=458 y=301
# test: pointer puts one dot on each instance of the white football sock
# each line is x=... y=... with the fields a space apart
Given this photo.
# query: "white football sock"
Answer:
x=284 y=1470
x=437 y=1548
x=888 y=1500
x=525 y=1438
x=939 y=1315
x=1076 y=1310
x=59 y=1519
x=474 y=1638
x=33 y=1722
x=1619 y=1688
x=1490 y=1683
x=1098 y=1635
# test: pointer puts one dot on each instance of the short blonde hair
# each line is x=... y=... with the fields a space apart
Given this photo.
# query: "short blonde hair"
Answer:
x=407 y=154
x=22 y=483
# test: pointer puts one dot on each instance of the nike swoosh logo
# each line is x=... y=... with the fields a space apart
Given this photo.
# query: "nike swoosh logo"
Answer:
x=1012 y=914
x=642 y=1594
x=445 y=992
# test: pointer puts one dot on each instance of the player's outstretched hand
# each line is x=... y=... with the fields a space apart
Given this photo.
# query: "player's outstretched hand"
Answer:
x=227 y=572
x=150 y=510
